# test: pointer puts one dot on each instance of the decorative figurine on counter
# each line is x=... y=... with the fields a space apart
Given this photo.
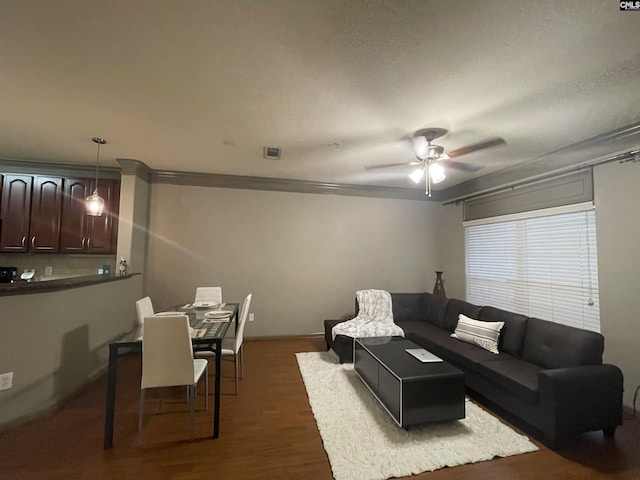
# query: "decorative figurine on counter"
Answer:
x=122 y=267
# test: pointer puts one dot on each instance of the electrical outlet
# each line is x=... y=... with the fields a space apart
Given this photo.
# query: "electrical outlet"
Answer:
x=6 y=381
x=251 y=318
x=48 y=270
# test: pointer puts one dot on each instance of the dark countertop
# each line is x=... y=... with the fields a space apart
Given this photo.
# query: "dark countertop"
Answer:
x=22 y=287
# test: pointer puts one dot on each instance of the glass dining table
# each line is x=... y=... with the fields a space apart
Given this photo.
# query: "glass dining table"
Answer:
x=207 y=336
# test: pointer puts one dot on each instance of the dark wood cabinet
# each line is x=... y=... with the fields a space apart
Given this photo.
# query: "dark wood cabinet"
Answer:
x=46 y=210
x=103 y=231
x=15 y=211
x=42 y=214
x=82 y=233
x=30 y=209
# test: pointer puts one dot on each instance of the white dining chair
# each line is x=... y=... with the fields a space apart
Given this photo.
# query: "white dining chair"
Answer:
x=144 y=308
x=233 y=347
x=167 y=361
x=209 y=294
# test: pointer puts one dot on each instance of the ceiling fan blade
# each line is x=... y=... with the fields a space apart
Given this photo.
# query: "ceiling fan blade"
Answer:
x=389 y=165
x=465 y=167
x=492 y=142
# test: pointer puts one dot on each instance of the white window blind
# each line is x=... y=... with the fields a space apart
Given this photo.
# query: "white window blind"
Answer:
x=543 y=266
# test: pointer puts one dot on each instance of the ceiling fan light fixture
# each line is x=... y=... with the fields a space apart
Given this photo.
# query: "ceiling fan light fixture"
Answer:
x=417 y=175
x=436 y=172
x=435 y=151
x=431 y=160
x=420 y=146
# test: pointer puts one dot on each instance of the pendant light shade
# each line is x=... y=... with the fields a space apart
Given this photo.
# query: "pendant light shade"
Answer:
x=94 y=203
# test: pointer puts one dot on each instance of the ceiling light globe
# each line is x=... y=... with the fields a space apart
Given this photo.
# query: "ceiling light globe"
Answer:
x=416 y=175
x=436 y=172
x=94 y=205
x=420 y=146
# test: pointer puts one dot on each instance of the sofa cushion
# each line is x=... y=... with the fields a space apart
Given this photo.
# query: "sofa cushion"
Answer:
x=517 y=376
x=552 y=345
x=483 y=334
x=440 y=343
x=512 y=334
x=454 y=308
x=408 y=306
x=423 y=332
x=434 y=310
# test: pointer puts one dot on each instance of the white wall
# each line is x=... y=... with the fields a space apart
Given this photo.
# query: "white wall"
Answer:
x=618 y=227
x=133 y=222
x=450 y=252
x=303 y=256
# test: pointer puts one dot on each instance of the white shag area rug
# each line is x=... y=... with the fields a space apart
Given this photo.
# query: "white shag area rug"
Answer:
x=363 y=442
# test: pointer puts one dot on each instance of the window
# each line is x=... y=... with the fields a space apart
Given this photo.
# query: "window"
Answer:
x=541 y=264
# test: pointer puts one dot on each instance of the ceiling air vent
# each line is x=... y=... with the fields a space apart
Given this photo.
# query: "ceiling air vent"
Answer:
x=272 y=153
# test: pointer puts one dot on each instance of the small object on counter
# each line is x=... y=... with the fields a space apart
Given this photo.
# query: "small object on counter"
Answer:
x=8 y=274
x=122 y=267
x=28 y=275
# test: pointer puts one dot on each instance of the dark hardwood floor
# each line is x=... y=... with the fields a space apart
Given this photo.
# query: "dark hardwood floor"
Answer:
x=267 y=432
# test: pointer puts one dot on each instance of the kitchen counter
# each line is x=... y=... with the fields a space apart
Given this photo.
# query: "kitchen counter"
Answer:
x=63 y=329
x=23 y=287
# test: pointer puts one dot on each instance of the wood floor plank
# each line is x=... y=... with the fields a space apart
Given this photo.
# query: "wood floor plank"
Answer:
x=267 y=431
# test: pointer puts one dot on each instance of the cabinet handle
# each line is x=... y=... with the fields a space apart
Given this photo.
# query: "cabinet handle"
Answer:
x=33 y=242
x=84 y=240
x=88 y=243
x=24 y=242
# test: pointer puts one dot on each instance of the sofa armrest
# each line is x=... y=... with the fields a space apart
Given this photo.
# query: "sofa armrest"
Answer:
x=328 y=326
x=583 y=381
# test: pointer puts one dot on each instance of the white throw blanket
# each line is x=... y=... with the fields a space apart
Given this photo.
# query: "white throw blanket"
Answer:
x=374 y=319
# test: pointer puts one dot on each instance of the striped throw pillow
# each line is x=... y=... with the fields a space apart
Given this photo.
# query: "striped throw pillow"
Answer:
x=475 y=332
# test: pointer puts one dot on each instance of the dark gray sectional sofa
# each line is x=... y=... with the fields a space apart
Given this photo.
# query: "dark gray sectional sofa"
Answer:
x=547 y=376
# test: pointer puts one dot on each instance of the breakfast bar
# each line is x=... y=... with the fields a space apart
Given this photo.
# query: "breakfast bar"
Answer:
x=65 y=325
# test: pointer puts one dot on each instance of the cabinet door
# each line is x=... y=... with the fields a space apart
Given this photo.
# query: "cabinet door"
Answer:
x=1 y=183
x=73 y=231
x=15 y=210
x=46 y=209
x=102 y=231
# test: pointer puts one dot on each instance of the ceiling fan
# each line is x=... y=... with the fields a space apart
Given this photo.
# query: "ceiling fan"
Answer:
x=431 y=159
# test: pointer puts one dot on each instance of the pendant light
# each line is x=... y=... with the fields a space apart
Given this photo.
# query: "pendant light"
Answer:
x=94 y=203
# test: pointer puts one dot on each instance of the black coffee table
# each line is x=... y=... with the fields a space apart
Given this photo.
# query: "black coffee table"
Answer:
x=412 y=392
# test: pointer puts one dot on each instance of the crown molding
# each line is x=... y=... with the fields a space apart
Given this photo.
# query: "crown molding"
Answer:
x=130 y=166
x=33 y=167
x=138 y=168
x=608 y=146
x=286 y=185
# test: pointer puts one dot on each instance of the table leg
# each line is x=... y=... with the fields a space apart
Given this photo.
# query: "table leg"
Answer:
x=216 y=407
x=111 y=397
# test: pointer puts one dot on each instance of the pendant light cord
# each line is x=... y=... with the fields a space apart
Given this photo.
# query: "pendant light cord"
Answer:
x=97 y=166
x=99 y=141
x=428 y=177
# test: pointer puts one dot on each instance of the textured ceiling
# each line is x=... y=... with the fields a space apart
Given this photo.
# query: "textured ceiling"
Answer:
x=202 y=86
